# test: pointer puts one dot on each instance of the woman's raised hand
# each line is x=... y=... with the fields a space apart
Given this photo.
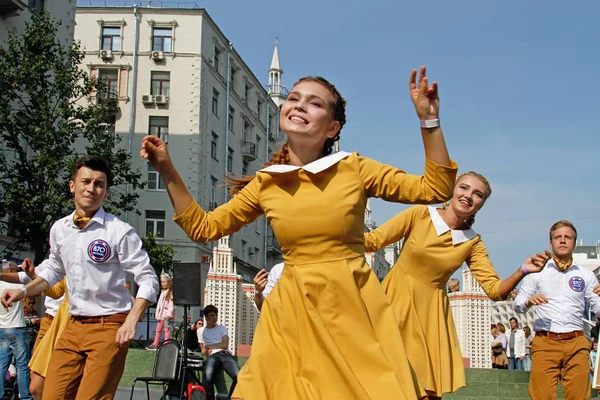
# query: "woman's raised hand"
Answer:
x=424 y=97
x=155 y=151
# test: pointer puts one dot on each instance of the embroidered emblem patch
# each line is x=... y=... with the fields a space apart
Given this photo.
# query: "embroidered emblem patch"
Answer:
x=577 y=284
x=99 y=251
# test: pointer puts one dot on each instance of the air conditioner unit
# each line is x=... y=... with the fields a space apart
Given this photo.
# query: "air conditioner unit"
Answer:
x=147 y=99
x=160 y=99
x=106 y=54
x=213 y=205
x=158 y=55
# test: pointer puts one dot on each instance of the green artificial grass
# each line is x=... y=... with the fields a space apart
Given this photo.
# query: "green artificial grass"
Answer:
x=139 y=363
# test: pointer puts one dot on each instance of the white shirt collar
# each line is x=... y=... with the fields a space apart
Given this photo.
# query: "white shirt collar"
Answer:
x=314 y=167
x=441 y=227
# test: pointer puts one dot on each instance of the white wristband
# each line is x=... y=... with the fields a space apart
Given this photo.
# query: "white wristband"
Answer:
x=523 y=269
x=24 y=290
x=430 y=123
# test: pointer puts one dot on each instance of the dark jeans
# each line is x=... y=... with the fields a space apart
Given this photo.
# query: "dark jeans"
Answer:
x=13 y=341
x=221 y=360
x=515 y=364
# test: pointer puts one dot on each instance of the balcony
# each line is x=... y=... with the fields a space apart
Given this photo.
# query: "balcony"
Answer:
x=249 y=151
x=9 y=8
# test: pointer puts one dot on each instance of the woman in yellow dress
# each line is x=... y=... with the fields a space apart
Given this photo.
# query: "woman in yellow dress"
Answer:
x=437 y=242
x=327 y=331
x=40 y=359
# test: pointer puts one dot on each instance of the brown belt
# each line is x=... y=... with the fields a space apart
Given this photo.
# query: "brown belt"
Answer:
x=560 y=336
x=113 y=318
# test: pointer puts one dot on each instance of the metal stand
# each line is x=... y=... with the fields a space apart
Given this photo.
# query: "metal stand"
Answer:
x=184 y=375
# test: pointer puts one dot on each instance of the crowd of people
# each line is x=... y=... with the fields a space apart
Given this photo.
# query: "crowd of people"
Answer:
x=328 y=328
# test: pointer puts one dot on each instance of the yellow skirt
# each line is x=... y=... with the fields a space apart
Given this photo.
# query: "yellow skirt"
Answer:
x=427 y=327
x=327 y=332
x=41 y=356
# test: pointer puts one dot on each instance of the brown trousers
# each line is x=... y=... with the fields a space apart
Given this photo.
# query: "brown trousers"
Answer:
x=86 y=363
x=44 y=326
x=552 y=358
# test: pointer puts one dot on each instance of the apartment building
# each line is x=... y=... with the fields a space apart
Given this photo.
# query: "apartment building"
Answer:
x=176 y=75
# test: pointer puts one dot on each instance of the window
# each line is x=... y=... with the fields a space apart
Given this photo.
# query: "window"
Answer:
x=213 y=146
x=110 y=83
x=155 y=182
x=160 y=83
x=230 y=160
x=257 y=146
x=159 y=126
x=243 y=248
x=162 y=39
x=232 y=80
x=259 y=106
x=230 y=121
x=111 y=38
x=213 y=189
x=215 y=102
x=216 y=58
x=247 y=133
x=246 y=93
x=37 y=4
x=245 y=169
x=155 y=223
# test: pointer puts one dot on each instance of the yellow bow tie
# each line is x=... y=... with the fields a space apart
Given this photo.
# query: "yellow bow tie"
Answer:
x=562 y=265
x=80 y=221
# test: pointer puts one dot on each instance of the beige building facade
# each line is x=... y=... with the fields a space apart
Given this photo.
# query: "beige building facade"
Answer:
x=177 y=76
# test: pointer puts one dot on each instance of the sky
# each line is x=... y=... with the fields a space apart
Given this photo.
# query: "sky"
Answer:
x=518 y=83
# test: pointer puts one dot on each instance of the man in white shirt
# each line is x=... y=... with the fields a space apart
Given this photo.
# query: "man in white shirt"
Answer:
x=216 y=343
x=560 y=293
x=264 y=282
x=515 y=351
x=94 y=249
x=13 y=338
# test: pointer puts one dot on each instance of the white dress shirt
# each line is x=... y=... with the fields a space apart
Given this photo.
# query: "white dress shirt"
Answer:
x=567 y=293
x=95 y=260
x=274 y=277
x=50 y=304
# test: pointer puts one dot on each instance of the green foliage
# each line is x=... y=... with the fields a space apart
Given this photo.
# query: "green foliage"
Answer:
x=45 y=116
x=161 y=255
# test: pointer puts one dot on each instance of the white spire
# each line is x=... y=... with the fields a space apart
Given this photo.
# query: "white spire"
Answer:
x=275 y=61
x=275 y=72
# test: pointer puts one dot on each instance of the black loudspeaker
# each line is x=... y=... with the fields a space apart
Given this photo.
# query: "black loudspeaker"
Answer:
x=187 y=284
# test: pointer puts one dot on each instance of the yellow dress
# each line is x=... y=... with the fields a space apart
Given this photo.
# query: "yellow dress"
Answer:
x=41 y=356
x=327 y=330
x=416 y=287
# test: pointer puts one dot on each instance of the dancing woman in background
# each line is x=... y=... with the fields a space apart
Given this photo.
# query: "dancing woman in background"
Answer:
x=438 y=241
x=327 y=331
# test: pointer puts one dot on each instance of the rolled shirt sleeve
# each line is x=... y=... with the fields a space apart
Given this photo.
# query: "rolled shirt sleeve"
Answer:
x=528 y=289
x=54 y=269
x=135 y=260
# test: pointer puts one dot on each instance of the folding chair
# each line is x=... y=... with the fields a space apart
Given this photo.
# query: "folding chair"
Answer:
x=166 y=368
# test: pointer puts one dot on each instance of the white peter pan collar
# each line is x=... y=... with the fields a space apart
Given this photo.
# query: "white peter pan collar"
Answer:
x=314 y=167
x=441 y=227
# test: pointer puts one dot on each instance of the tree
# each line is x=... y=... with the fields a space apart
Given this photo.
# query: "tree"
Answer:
x=161 y=255
x=50 y=114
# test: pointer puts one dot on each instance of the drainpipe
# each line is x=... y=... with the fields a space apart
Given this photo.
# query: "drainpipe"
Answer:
x=267 y=156
x=133 y=89
x=227 y=127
